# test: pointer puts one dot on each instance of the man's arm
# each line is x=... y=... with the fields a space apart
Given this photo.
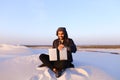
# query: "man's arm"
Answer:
x=72 y=46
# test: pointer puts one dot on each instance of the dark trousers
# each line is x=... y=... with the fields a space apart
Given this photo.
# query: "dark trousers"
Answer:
x=59 y=65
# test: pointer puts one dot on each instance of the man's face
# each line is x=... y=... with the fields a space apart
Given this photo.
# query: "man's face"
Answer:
x=60 y=35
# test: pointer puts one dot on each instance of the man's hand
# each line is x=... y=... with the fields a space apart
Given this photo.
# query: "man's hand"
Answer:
x=60 y=47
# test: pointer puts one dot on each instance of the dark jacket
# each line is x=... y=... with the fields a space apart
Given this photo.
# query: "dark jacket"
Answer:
x=69 y=44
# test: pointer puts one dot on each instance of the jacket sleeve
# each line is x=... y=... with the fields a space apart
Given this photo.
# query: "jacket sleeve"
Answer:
x=54 y=44
x=72 y=47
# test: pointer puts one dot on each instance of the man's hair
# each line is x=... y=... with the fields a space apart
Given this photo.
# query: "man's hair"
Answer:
x=64 y=31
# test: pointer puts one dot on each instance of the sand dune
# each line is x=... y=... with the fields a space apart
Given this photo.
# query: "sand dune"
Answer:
x=88 y=66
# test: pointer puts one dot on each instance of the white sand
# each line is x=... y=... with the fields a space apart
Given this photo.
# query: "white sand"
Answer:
x=20 y=63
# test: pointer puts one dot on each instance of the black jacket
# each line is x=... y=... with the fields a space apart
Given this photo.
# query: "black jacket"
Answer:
x=69 y=44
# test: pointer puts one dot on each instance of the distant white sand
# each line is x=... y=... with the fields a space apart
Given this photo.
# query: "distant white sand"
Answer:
x=20 y=63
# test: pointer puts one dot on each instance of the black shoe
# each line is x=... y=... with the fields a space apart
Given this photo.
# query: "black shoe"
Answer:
x=71 y=66
x=58 y=74
x=62 y=70
x=42 y=65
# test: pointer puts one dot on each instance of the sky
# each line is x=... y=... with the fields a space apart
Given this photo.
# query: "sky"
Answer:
x=34 y=22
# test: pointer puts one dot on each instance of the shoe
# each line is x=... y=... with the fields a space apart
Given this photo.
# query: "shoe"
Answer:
x=58 y=74
x=42 y=65
x=71 y=66
x=62 y=70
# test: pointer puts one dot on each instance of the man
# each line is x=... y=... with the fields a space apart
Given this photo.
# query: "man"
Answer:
x=61 y=42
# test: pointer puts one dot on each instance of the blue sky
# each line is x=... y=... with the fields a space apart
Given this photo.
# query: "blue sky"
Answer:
x=36 y=21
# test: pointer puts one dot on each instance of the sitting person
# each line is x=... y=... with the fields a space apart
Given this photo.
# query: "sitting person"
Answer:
x=62 y=42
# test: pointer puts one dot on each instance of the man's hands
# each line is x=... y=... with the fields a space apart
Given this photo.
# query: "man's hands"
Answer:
x=60 y=47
